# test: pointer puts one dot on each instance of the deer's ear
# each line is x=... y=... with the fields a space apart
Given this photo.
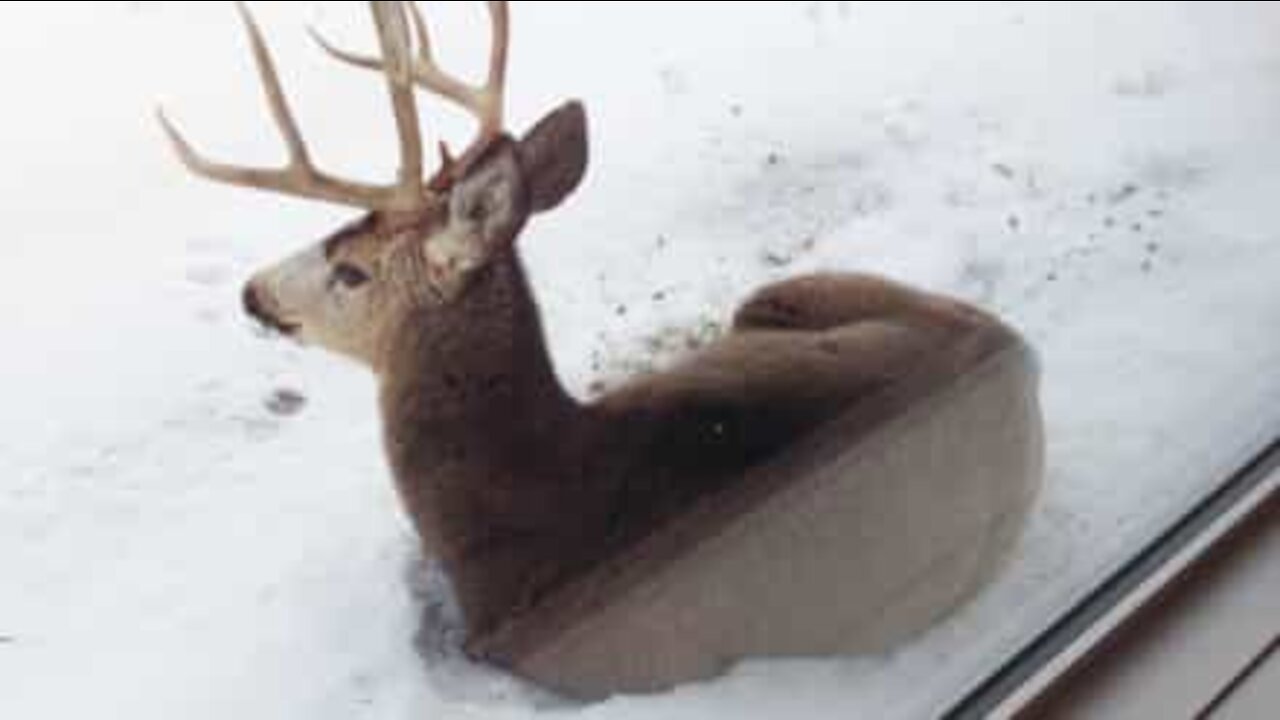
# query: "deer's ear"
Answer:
x=554 y=156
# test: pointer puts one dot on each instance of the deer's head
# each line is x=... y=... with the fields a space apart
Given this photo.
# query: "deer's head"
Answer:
x=420 y=241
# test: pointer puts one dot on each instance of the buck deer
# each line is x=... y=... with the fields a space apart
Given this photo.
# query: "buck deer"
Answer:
x=515 y=485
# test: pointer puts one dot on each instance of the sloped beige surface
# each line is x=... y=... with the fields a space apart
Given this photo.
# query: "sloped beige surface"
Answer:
x=887 y=521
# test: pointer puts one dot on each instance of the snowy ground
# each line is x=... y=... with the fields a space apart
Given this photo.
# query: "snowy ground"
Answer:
x=174 y=544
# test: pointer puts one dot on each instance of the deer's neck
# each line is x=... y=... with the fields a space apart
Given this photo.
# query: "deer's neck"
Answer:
x=486 y=446
x=475 y=375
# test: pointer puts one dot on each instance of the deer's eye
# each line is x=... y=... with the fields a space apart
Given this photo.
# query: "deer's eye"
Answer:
x=478 y=209
x=349 y=276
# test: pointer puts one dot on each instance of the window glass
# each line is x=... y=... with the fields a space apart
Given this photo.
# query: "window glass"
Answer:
x=192 y=516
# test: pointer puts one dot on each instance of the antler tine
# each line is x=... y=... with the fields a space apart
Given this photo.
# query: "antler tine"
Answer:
x=485 y=102
x=299 y=177
x=367 y=62
x=276 y=99
x=500 y=15
x=291 y=180
x=393 y=35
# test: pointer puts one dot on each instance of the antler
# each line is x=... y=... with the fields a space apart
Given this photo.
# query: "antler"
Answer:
x=486 y=102
x=300 y=177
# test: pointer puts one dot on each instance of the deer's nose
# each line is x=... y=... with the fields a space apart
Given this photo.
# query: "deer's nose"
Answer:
x=253 y=305
x=261 y=310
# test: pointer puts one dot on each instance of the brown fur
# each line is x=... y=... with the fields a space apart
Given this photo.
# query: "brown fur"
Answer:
x=510 y=481
x=514 y=484
x=517 y=486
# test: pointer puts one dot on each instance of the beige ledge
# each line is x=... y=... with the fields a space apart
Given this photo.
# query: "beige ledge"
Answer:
x=852 y=542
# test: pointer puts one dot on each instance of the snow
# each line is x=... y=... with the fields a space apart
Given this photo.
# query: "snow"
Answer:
x=177 y=542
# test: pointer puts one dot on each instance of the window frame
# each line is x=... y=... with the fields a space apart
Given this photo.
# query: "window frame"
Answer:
x=1083 y=629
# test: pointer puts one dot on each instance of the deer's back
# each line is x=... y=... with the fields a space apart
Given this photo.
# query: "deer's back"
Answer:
x=697 y=426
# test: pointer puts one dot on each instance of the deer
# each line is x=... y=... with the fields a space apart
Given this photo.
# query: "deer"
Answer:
x=514 y=484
